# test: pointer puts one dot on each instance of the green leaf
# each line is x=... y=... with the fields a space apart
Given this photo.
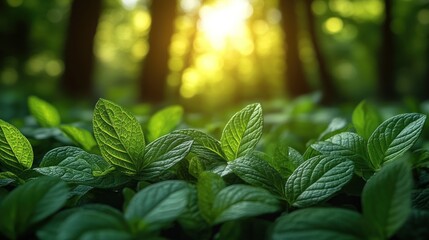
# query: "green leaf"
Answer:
x=204 y=145
x=242 y=132
x=394 y=137
x=164 y=121
x=77 y=193
x=259 y=173
x=90 y=224
x=164 y=153
x=7 y=178
x=79 y=136
x=365 y=119
x=191 y=218
x=321 y=224
x=337 y=125
x=51 y=229
x=195 y=167
x=158 y=203
x=240 y=201
x=119 y=137
x=348 y=145
x=286 y=160
x=74 y=165
x=4 y=181
x=310 y=153
x=16 y=153
x=208 y=186
x=386 y=198
x=31 y=203
x=45 y=114
x=317 y=179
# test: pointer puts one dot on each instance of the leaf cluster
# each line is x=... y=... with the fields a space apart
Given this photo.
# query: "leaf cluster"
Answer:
x=128 y=180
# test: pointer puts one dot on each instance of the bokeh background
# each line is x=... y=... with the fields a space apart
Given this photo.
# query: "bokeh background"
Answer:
x=209 y=54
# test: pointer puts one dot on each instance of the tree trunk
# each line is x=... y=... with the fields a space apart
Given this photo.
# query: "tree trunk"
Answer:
x=296 y=83
x=155 y=66
x=329 y=91
x=386 y=86
x=78 y=55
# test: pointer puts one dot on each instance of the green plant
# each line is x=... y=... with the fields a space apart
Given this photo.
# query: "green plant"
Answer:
x=126 y=183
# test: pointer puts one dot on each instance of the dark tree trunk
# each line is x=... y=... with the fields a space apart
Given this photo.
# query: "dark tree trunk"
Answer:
x=328 y=88
x=78 y=55
x=386 y=86
x=296 y=83
x=155 y=65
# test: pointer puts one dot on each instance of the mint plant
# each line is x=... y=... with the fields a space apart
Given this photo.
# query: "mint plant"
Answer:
x=142 y=177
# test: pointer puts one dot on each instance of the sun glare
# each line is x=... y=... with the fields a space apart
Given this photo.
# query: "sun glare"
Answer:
x=224 y=20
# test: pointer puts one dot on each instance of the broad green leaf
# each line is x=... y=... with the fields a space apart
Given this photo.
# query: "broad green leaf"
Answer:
x=88 y=224
x=45 y=114
x=79 y=136
x=205 y=146
x=158 y=203
x=349 y=145
x=164 y=153
x=51 y=228
x=242 y=132
x=321 y=224
x=164 y=121
x=119 y=137
x=365 y=119
x=258 y=172
x=30 y=203
x=394 y=137
x=74 y=165
x=208 y=186
x=192 y=218
x=240 y=201
x=386 y=198
x=286 y=160
x=317 y=179
x=16 y=153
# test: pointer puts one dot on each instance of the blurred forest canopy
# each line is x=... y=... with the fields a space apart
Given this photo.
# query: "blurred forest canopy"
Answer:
x=206 y=54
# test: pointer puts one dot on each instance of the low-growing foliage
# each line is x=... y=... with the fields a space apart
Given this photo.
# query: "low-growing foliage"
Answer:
x=127 y=179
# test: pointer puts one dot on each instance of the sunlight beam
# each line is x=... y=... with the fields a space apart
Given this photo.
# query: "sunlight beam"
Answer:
x=224 y=20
